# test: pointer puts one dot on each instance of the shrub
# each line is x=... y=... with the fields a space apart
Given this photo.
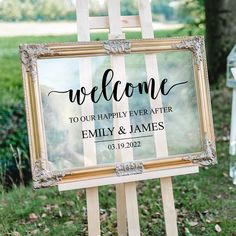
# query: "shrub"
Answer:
x=14 y=161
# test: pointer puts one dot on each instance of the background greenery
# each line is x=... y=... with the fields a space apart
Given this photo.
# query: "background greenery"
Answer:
x=205 y=202
x=49 y=10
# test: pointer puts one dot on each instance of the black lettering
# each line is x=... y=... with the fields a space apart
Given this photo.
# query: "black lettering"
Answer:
x=149 y=87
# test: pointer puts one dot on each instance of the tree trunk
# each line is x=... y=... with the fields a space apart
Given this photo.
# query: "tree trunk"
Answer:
x=220 y=34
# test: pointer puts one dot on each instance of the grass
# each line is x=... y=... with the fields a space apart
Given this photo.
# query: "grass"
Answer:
x=203 y=200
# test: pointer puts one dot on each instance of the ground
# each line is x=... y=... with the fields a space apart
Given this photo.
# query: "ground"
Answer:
x=205 y=202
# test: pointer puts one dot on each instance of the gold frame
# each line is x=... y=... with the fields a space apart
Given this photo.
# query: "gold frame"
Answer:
x=42 y=176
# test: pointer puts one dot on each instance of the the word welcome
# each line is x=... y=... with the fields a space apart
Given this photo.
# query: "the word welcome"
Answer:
x=149 y=87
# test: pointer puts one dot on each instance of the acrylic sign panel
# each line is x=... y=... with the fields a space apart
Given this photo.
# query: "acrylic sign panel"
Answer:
x=173 y=103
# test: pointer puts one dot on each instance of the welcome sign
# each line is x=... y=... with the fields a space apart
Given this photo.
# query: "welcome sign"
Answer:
x=88 y=118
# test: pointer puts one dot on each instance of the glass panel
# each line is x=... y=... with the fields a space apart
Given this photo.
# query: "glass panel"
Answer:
x=182 y=124
x=62 y=118
x=61 y=93
x=179 y=105
x=139 y=106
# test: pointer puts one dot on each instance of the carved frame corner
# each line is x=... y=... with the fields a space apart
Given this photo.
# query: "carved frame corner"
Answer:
x=196 y=45
x=207 y=157
x=29 y=55
x=43 y=177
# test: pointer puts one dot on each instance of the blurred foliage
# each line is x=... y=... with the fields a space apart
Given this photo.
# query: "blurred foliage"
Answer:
x=192 y=13
x=14 y=150
x=129 y=7
x=186 y=11
x=36 y=10
x=14 y=162
x=162 y=10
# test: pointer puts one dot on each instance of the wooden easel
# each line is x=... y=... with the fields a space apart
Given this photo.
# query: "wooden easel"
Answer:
x=127 y=206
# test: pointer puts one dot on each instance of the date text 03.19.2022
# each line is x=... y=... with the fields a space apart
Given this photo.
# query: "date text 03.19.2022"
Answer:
x=132 y=144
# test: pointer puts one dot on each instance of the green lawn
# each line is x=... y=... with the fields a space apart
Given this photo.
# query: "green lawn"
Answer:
x=202 y=200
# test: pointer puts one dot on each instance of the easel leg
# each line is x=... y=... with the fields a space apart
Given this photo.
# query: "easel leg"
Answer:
x=169 y=207
x=93 y=213
x=132 y=209
x=126 y=195
x=121 y=210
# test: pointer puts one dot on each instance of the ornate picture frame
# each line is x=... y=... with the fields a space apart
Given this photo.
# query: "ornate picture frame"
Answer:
x=176 y=124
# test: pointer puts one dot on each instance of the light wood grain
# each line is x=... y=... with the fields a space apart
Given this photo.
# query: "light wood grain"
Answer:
x=89 y=146
x=130 y=178
x=169 y=206
x=160 y=139
x=121 y=209
x=122 y=155
x=102 y=22
x=132 y=209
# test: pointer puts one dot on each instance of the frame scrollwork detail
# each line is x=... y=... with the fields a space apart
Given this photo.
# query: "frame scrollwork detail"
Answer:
x=43 y=177
x=129 y=168
x=29 y=55
x=117 y=46
x=46 y=173
x=196 y=44
x=206 y=158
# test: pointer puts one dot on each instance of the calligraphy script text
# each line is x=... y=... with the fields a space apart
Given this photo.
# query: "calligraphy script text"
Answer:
x=149 y=87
